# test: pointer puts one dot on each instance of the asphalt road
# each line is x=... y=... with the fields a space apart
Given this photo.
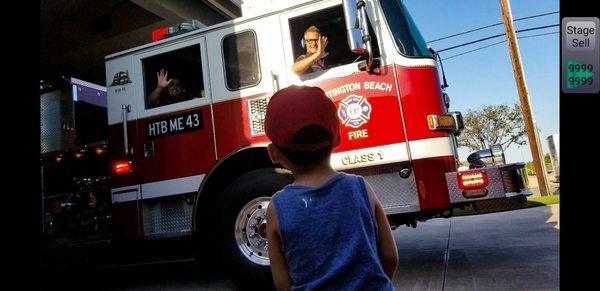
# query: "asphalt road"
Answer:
x=513 y=250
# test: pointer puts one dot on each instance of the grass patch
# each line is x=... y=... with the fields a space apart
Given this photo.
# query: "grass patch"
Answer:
x=531 y=202
x=541 y=201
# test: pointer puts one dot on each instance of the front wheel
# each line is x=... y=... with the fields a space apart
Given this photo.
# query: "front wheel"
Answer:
x=242 y=222
x=251 y=231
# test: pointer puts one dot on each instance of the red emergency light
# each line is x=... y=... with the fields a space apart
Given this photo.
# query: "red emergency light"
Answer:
x=472 y=180
x=121 y=167
x=157 y=34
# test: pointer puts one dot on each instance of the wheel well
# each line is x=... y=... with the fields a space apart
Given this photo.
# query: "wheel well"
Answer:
x=223 y=174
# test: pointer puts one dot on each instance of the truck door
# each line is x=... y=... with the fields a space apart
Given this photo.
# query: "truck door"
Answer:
x=175 y=132
x=124 y=150
x=245 y=70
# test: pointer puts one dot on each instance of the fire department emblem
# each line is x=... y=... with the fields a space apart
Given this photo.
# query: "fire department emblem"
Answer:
x=121 y=78
x=354 y=111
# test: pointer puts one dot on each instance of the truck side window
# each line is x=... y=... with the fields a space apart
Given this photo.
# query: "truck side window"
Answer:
x=240 y=57
x=331 y=24
x=173 y=77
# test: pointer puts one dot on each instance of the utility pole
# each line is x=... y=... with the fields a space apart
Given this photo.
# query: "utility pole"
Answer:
x=532 y=134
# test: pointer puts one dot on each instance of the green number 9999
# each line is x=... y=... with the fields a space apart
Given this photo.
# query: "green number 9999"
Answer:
x=580 y=68
x=579 y=81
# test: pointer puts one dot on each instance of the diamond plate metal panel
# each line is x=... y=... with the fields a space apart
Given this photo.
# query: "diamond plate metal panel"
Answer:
x=56 y=121
x=396 y=194
x=50 y=122
x=257 y=108
x=495 y=187
x=492 y=205
x=167 y=218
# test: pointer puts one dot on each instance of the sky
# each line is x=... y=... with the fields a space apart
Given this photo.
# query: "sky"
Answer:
x=485 y=77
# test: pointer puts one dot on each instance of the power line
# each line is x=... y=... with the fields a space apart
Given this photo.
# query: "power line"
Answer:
x=496 y=43
x=492 y=25
x=494 y=36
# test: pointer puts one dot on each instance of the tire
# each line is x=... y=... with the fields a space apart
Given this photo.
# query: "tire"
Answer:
x=241 y=222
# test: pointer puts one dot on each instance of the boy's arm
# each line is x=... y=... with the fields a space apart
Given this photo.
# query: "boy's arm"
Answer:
x=388 y=252
x=279 y=268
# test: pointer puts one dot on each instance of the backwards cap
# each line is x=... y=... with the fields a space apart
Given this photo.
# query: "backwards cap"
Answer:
x=296 y=107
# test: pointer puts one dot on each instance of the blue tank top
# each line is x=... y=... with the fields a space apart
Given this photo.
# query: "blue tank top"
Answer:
x=329 y=236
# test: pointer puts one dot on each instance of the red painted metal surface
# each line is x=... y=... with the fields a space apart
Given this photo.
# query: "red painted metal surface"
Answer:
x=430 y=175
x=232 y=125
x=117 y=153
x=126 y=220
x=384 y=123
x=421 y=96
x=179 y=155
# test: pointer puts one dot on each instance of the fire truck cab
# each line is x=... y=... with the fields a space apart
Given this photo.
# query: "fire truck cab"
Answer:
x=194 y=163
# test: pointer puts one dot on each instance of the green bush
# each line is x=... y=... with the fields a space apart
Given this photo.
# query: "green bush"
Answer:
x=530 y=168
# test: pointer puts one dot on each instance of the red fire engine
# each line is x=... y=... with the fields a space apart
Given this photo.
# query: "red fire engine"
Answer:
x=198 y=165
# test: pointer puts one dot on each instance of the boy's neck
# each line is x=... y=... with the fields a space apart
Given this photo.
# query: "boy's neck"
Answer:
x=314 y=176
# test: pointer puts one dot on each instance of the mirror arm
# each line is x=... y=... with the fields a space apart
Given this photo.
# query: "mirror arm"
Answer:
x=366 y=38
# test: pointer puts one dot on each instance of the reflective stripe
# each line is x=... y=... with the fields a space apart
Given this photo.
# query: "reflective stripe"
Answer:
x=369 y=156
x=158 y=189
x=392 y=153
x=124 y=194
x=172 y=187
x=430 y=148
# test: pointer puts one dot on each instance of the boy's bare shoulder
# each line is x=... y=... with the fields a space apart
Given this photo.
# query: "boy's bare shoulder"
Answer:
x=271 y=210
x=272 y=218
x=372 y=197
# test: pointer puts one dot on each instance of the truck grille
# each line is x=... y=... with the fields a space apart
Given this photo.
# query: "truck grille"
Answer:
x=257 y=109
x=168 y=217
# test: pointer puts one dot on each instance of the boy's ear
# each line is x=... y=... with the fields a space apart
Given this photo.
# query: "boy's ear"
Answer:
x=273 y=153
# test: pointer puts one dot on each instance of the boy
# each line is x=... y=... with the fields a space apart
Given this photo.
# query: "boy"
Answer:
x=327 y=230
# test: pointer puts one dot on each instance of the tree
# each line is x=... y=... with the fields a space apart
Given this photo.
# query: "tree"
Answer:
x=493 y=124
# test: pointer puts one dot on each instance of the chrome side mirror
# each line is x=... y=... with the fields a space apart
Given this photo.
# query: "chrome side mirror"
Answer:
x=353 y=27
x=359 y=40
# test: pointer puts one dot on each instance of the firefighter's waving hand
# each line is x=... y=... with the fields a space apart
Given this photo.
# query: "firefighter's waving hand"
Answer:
x=162 y=78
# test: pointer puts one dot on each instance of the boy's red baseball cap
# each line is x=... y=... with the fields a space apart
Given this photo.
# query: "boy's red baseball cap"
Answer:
x=296 y=107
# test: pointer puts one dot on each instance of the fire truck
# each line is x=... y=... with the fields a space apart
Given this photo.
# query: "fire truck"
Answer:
x=198 y=166
x=74 y=166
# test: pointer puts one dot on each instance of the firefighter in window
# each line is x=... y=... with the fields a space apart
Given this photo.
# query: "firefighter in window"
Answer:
x=312 y=61
x=175 y=91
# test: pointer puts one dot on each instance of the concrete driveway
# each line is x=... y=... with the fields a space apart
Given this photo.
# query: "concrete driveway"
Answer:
x=513 y=250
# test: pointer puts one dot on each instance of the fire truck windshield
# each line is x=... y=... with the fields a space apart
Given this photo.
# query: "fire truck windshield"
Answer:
x=408 y=38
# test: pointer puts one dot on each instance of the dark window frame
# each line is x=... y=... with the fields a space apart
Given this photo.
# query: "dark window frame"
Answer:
x=294 y=21
x=202 y=83
x=257 y=54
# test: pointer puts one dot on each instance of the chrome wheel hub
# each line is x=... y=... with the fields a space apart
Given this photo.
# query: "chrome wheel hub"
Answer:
x=251 y=231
